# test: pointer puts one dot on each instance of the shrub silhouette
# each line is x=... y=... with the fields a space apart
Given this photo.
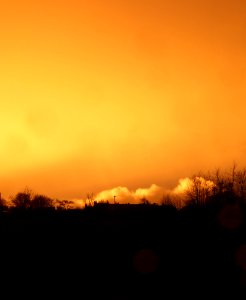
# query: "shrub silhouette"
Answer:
x=3 y=204
x=64 y=204
x=22 y=200
x=41 y=202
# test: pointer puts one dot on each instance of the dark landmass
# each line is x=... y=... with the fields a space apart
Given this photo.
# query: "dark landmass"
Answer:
x=125 y=252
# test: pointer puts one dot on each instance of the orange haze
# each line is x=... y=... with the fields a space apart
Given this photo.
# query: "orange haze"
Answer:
x=97 y=94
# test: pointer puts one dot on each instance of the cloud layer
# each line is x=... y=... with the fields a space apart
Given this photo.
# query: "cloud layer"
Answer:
x=153 y=194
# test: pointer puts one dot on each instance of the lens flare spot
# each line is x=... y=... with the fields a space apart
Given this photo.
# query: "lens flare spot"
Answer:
x=146 y=261
x=230 y=217
x=240 y=257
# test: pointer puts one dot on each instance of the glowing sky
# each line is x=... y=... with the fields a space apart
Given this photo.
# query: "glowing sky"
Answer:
x=101 y=93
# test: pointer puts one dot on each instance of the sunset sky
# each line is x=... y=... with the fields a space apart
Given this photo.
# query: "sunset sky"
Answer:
x=105 y=93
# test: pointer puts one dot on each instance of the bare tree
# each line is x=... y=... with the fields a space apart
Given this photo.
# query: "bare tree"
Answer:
x=200 y=189
x=241 y=184
x=166 y=200
x=90 y=198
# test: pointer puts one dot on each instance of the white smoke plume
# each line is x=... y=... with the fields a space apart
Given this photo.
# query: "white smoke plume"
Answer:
x=153 y=194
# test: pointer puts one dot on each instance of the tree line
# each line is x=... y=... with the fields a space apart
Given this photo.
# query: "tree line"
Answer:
x=218 y=188
x=211 y=189
x=28 y=200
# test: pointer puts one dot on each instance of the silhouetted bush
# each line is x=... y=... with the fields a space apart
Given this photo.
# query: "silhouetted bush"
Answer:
x=42 y=202
x=22 y=200
x=3 y=204
x=64 y=204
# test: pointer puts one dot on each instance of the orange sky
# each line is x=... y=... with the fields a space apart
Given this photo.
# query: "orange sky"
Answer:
x=96 y=94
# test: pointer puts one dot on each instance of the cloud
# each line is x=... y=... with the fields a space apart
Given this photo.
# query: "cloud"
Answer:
x=124 y=195
x=154 y=193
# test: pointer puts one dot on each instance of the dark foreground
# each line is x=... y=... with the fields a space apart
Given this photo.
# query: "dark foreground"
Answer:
x=124 y=252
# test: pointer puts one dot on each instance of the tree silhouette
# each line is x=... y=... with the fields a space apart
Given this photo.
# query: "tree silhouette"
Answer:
x=41 y=202
x=3 y=204
x=241 y=184
x=144 y=200
x=199 y=190
x=64 y=204
x=90 y=198
x=22 y=200
x=166 y=200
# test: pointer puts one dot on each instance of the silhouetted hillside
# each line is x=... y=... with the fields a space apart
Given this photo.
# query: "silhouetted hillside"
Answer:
x=133 y=251
x=116 y=251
